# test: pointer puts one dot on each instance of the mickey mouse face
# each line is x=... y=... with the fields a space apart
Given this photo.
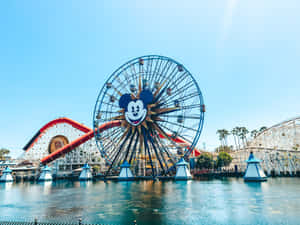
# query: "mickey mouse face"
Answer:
x=136 y=112
x=135 y=109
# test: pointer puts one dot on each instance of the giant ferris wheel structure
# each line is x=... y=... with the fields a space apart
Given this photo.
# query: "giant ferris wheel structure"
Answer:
x=155 y=111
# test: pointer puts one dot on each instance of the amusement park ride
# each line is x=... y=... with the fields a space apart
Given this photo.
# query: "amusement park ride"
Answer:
x=149 y=114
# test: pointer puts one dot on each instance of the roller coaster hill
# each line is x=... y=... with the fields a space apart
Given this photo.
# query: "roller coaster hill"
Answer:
x=67 y=145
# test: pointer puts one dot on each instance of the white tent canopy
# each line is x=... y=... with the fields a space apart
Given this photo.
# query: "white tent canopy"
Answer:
x=254 y=171
x=125 y=173
x=182 y=172
x=46 y=174
x=6 y=175
x=86 y=173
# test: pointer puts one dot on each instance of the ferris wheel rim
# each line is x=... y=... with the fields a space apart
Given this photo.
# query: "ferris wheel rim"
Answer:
x=125 y=66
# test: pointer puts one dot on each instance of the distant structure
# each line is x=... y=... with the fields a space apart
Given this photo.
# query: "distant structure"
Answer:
x=183 y=172
x=282 y=136
x=86 y=173
x=125 y=173
x=254 y=171
x=46 y=174
x=6 y=175
x=57 y=134
x=278 y=147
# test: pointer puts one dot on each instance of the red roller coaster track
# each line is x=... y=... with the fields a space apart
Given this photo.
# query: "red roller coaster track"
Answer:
x=89 y=133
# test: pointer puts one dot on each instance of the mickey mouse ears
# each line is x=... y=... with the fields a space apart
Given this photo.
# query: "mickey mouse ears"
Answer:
x=124 y=100
x=146 y=96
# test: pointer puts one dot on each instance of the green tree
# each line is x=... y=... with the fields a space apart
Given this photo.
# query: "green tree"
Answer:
x=224 y=159
x=205 y=161
x=3 y=153
x=96 y=168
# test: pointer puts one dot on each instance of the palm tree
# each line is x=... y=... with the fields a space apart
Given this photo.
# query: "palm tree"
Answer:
x=238 y=135
x=262 y=129
x=254 y=133
x=243 y=134
x=223 y=134
x=234 y=132
x=226 y=134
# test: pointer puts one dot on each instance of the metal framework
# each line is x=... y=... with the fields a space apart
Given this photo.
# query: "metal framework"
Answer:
x=278 y=147
x=284 y=135
x=38 y=147
x=153 y=97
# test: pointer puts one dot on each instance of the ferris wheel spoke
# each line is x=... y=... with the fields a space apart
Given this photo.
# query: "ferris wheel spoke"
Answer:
x=166 y=68
x=134 y=147
x=122 y=84
x=178 y=91
x=108 y=112
x=156 y=71
x=113 y=138
x=196 y=117
x=111 y=105
x=170 y=77
x=118 y=152
x=164 y=149
x=182 y=89
x=116 y=130
x=164 y=134
x=180 y=125
x=178 y=81
x=129 y=144
x=155 y=150
x=181 y=99
x=148 y=149
x=133 y=73
x=148 y=69
x=161 y=67
x=182 y=137
x=126 y=76
x=191 y=106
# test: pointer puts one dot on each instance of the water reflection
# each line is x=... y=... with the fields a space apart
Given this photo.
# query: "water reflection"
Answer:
x=6 y=185
x=47 y=187
x=225 y=201
x=86 y=183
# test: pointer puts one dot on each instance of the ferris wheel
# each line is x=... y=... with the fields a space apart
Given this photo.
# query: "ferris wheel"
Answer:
x=156 y=111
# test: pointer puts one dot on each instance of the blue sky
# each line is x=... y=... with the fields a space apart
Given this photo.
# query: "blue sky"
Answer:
x=56 y=55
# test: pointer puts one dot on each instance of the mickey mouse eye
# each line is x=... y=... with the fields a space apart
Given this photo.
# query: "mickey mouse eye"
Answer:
x=132 y=109
x=138 y=108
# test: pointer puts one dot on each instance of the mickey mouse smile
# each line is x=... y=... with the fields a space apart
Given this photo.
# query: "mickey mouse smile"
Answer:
x=135 y=109
x=136 y=112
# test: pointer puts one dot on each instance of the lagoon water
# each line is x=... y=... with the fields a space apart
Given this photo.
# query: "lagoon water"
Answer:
x=218 y=201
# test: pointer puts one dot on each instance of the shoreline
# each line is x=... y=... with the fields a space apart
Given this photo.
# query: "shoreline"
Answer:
x=210 y=175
